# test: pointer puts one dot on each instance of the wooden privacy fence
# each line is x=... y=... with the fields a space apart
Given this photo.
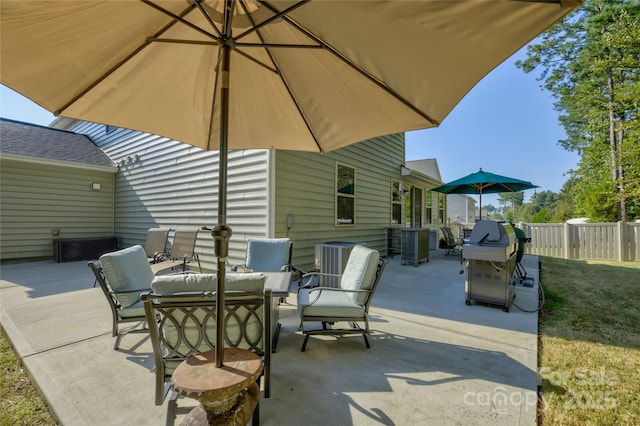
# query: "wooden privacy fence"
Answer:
x=596 y=241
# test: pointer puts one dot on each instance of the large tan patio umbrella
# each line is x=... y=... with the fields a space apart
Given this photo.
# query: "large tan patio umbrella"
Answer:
x=228 y=74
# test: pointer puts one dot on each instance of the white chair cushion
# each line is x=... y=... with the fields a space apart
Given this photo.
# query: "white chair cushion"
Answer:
x=360 y=272
x=178 y=283
x=127 y=269
x=133 y=311
x=327 y=303
x=242 y=323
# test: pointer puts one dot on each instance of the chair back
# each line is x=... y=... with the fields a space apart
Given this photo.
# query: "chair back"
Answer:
x=184 y=244
x=360 y=272
x=156 y=241
x=127 y=270
x=269 y=254
x=448 y=235
x=181 y=312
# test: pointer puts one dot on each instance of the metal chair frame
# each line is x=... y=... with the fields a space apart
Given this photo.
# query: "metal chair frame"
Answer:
x=191 y=317
x=117 y=308
x=327 y=320
x=452 y=245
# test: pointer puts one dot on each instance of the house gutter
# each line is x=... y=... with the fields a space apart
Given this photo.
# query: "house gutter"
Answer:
x=417 y=178
x=61 y=163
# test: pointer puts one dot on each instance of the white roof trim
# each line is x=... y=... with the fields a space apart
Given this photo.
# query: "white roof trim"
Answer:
x=62 y=163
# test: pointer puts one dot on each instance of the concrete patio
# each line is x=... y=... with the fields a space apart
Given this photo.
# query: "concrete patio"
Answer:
x=433 y=360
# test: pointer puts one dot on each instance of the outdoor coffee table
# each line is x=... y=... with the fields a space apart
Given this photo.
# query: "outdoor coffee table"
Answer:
x=228 y=395
x=278 y=282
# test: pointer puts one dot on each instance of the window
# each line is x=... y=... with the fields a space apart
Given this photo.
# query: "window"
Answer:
x=441 y=204
x=417 y=203
x=396 y=203
x=345 y=195
x=428 y=212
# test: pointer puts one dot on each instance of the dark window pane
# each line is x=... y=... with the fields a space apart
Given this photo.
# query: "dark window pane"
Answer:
x=346 y=211
x=396 y=214
x=346 y=180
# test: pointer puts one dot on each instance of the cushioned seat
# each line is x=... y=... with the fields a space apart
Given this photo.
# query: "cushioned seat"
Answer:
x=348 y=303
x=328 y=303
x=123 y=275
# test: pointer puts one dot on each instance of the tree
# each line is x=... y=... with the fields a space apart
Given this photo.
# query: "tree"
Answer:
x=590 y=62
x=512 y=199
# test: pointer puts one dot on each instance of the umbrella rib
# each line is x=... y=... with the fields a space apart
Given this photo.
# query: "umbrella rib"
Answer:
x=275 y=68
x=278 y=15
x=121 y=62
x=256 y=61
x=208 y=18
x=266 y=46
x=182 y=41
x=358 y=69
x=180 y=18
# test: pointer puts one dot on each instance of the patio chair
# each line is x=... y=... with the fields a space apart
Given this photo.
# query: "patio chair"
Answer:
x=453 y=245
x=123 y=275
x=155 y=245
x=183 y=251
x=267 y=255
x=348 y=303
x=185 y=306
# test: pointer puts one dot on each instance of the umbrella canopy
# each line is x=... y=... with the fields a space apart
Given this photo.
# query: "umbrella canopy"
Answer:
x=483 y=182
x=285 y=74
x=305 y=75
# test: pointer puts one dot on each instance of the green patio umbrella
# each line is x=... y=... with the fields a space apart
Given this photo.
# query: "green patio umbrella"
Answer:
x=483 y=182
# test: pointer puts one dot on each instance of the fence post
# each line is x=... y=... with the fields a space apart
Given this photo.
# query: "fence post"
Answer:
x=621 y=239
x=566 y=240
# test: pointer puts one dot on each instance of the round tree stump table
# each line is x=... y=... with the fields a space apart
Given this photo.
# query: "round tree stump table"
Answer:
x=228 y=394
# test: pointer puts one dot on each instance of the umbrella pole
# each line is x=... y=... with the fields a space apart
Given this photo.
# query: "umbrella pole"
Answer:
x=222 y=233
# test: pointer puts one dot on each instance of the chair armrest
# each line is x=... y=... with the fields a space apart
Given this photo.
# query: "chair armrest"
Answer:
x=314 y=298
x=297 y=270
x=140 y=290
x=320 y=274
x=341 y=290
x=309 y=276
x=160 y=255
x=296 y=274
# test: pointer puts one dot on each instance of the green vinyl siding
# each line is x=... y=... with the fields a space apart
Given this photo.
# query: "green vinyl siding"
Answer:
x=176 y=185
x=162 y=182
x=305 y=188
x=35 y=199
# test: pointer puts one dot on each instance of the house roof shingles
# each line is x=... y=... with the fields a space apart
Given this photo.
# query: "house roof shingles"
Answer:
x=31 y=140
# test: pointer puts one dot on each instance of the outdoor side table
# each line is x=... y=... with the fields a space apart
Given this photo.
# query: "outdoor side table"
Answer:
x=228 y=394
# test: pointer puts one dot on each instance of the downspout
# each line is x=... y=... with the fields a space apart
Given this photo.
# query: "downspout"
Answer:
x=271 y=189
x=113 y=203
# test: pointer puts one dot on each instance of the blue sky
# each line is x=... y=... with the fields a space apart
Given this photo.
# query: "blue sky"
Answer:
x=506 y=125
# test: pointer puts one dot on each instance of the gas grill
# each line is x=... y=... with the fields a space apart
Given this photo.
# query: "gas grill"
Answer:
x=490 y=256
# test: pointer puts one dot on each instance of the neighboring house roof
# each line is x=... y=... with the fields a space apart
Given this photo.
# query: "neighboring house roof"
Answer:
x=427 y=166
x=34 y=143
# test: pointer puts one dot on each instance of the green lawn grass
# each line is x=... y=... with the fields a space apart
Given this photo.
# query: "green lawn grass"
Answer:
x=590 y=343
x=20 y=402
